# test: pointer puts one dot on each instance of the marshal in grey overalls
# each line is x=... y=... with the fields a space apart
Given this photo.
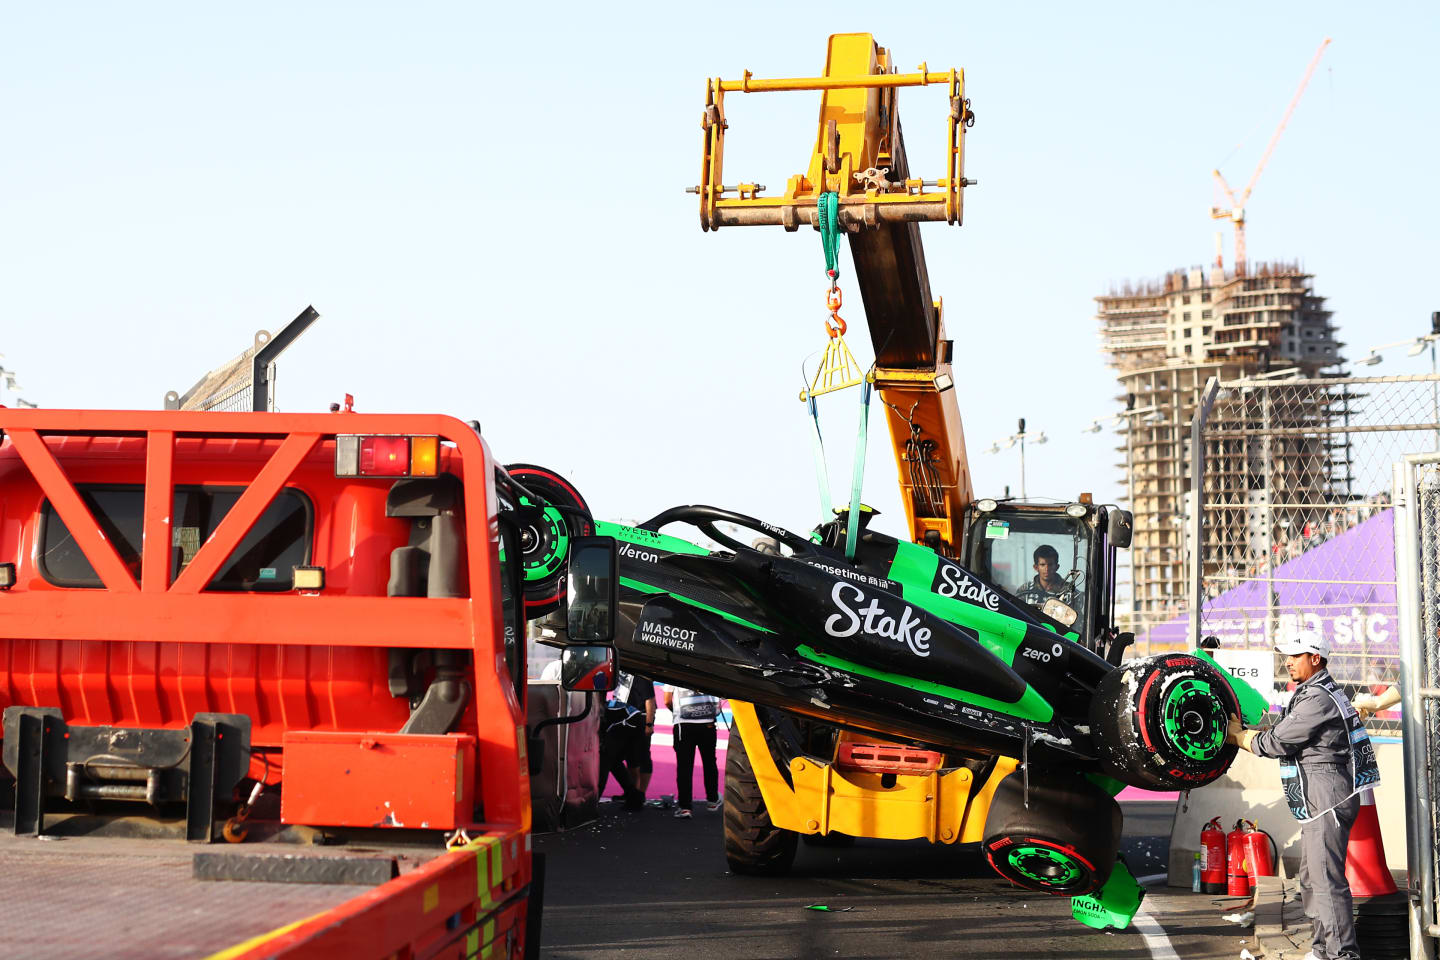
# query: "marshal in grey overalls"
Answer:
x=1325 y=757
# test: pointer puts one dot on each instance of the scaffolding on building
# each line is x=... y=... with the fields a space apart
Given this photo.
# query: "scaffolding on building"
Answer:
x=1166 y=338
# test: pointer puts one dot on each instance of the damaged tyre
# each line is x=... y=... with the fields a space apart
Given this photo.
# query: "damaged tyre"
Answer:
x=1160 y=722
x=1064 y=843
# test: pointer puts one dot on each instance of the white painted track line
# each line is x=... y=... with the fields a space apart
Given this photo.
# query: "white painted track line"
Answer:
x=1155 y=939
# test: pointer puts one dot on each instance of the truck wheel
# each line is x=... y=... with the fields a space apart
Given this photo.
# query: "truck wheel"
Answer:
x=753 y=845
x=1064 y=843
x=1160 y=722
x=545 y=543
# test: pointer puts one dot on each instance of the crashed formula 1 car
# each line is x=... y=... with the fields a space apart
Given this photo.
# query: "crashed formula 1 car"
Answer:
x=909 y=645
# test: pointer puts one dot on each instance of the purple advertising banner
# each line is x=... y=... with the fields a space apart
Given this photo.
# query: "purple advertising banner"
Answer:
x=1343 y=588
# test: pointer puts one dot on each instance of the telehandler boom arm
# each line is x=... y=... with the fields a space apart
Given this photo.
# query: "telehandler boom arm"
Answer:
x=860 y=156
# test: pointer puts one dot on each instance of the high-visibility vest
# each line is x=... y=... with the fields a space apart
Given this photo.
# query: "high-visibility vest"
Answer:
x=1364 y=768
x=692 y=705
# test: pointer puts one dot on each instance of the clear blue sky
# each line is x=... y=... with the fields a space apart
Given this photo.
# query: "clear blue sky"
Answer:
x=485 y=203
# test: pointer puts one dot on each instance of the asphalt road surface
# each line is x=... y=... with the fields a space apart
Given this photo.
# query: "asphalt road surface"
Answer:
x=644 y=885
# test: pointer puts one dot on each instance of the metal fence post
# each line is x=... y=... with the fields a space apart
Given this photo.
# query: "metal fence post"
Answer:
x=1419 y=802
x=1197 y=520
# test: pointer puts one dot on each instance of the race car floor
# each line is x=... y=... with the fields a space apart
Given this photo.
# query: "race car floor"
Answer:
x=644 y=885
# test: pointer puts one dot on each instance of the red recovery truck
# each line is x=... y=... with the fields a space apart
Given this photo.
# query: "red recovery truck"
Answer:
x=303 y=634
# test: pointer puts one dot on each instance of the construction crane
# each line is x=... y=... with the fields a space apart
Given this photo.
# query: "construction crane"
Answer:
x=1234 y=209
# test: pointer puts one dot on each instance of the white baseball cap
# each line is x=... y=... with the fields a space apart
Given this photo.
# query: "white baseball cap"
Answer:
x=1306 y=641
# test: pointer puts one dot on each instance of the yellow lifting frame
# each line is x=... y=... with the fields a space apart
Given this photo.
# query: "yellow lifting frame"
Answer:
x=859 y=126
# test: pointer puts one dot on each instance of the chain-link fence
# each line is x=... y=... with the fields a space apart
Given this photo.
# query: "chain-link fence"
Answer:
x=1298 y=528
x=229 y=388
x=1417 y=551
x=246 y=383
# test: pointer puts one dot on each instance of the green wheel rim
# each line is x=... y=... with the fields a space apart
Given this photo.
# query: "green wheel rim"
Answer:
x=1043 y=865
x=554 y=537
x=1192 y=719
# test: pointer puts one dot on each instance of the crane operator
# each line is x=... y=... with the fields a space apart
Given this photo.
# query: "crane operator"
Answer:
x=1048 y=584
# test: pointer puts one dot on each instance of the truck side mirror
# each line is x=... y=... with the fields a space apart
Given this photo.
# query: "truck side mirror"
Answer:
x=592 y=591
x=588 y=668
x=1119 y=527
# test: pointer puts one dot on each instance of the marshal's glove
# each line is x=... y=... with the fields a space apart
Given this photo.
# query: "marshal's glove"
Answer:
x=1368 y=704
x=1236 y=733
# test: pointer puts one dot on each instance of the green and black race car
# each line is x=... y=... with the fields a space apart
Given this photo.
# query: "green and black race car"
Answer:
x=910 y=645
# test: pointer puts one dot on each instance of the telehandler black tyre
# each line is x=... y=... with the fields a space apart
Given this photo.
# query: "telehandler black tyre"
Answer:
x=753 y=845
x=1064 y=843
x=1159 y=722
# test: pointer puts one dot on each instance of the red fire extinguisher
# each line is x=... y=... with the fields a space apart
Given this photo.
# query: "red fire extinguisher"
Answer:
x=1258 y=846
x=1237 y=870
x=1212 y=858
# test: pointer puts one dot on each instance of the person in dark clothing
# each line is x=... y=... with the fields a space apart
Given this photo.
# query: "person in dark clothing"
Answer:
x=620 y=725
x=694 y=728
x=639 y=693
x=1326 y=761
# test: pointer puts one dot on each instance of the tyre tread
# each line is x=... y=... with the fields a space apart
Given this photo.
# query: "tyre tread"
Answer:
x=753 y=844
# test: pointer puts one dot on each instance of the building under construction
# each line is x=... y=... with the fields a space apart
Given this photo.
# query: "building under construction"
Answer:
x=1166 y=338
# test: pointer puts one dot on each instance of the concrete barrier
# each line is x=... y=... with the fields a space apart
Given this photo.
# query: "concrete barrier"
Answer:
x=1251 y=789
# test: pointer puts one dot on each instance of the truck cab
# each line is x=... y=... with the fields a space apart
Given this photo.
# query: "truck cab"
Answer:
x=1056 y=557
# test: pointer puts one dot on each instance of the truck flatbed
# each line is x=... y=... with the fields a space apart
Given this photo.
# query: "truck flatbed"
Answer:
x=153 y=895
x=129 y=897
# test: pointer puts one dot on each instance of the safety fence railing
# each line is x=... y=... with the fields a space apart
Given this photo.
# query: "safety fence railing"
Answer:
x=1416 y=491
x=247 y=382
x=1293 y=524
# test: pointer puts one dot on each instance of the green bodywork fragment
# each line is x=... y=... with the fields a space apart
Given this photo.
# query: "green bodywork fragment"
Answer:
x=1109 y=784
x=1114 y=905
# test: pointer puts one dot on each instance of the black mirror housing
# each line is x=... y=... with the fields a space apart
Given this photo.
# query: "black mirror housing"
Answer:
x=592 y=591
x=1119 y=527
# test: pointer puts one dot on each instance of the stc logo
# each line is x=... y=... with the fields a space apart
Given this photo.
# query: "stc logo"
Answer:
x=872 y=620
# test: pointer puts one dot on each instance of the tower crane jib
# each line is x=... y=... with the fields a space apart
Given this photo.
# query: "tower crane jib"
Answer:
x=1234 y=209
